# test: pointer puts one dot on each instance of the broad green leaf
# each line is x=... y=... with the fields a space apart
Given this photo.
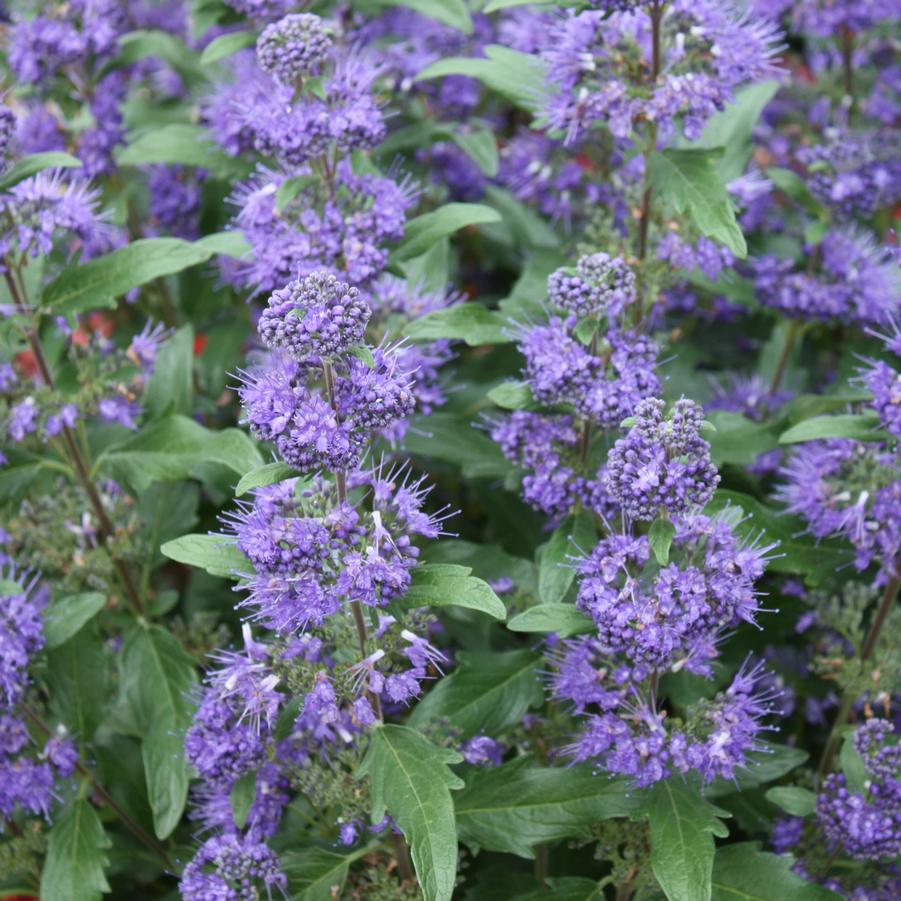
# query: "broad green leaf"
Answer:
x=76 y=859
x=217 y=554
x=743 y=872
x=242 y=796
x=78 y=682
x=179 y=144
x=154 y=43
x=263 y=476
x=227 y=45
x=451 y=12
x=171 y=448
x=563 y=619
x=317 y=874
x=688 y=181
x=64 y=617
x=739 y=440
x=860 y=426
x=514 y=807
x=469 y=322
x=34 y=163
x=660 y=537
x=512 y=396
x=852 y=764
x=567 y=888
x=445 y=436
x=227 y=244
x=791 y=184
x=682 y=826
x=525 y=227
x=430 y=271
x=519 y=77
x=799 y=802
x=495 y=5
x=488 y=560
x=771 y=763
x=480 y=145
x=100 y=281
x=486 y=693
x=574 y=537
x=443 y=586
x=171 y=386
x=423 y=231
x=410 y=779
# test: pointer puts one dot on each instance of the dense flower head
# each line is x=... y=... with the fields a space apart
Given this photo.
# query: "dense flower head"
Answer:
x=232 y=867
x=262 y=10
x=663 y=463
x=21 y=632
x=658 y=617
x=482 y=750
x=599 y=284
x=294 y=47
x=175 y=197
x=316 y=317
x=7 y=131
x=884 y=383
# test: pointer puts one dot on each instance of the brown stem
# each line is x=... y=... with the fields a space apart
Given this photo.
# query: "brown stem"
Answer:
x=105 y=528
x=794 y=329
x=866 y=651
x=846 y=41
x=402 y=855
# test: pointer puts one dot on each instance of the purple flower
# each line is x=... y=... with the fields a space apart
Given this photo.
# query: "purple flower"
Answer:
x=599 y=284
x=232 y=866
x=481 y=750
x=21 y=634
x=294 y=47
x=119 y=409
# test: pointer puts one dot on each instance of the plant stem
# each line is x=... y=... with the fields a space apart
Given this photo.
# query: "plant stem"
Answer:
x=866 y=651
x=105 y=528
x=846 y=42
x=794 y=329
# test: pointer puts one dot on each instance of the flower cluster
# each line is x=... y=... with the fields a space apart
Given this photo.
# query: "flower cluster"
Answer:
x=600 y=284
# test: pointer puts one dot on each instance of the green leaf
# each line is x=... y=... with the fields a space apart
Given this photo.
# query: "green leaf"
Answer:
x=660 y=537
x=852 y=764
x=445 y=436
x=34 y=163
x=519 y=77
x=496 y=5
x=316 y=874
x=423 y=231
x=263 y=476
x=243 y=794
x=567 y=888
x=682 y=825
x=480 y=145
x=556 y=571
x=171 y=448
x=64 y=617
x=512 y=396
x=688 y=181
x=75 y=862
x=451 y=12
x=514 y=807
x=799 y=802
x=363 y=354
x=766 y=765
x=77 y=679
x=444 y=586
x=739 y=440
x=153 y=43
x=226 y=244
x=217 y=554
x=563 y=619
x=171 y=386
x=100 y=281
x=486 y=693
x=524 y=226
x=860 y=426
x=180 y=144
x=469 y=322
x=411 y=780
x=227 y=45
x=743 y=872
x=792 y=185
x=290 y=188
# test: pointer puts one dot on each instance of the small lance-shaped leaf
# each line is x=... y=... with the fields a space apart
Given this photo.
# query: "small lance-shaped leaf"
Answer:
x=316 y=874
x=480 y=145
x=451 y=12
x=862 y=427
x=512 y=396
x=556 y=570
x=75 y=862
x=743 y=872
x=423 y=231
x=486 y=693
x=799 y=802
x=688 y=181
x=171 y=386
x=242 y=796
x=411 y=780
x=64 y=617
x=77 y=683
x=451 y=586
x=263 y=476
x=100 y=281
x=514 y=807
x=682 y=826
x=217 y=554
x=660 y=537
x=227 y=45
x=469 y=322
x=34 y=163
x=563 y=619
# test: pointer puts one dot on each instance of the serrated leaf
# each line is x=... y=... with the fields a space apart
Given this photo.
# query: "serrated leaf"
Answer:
x=411 y=780
x=226 y=45
x=486 y=693
x=562 y=619
x=441 y=586
x=451 y=12
x=660 y=537
x=316 y=874
x=688 y=181
x=469 y=322
x=859 y=426
x=743 y=872
x=514 y=807
x=170 y=388
x=64 y=617
x=574 y=537
x=423 y=231
x=34 y=163
x=682 y=826
x=217 y=554
x=242 y=796
x=265 y=475
x=75 y=862
x=799 y=802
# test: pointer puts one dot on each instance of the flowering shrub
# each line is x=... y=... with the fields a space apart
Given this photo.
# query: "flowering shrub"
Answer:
x=450 y=450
